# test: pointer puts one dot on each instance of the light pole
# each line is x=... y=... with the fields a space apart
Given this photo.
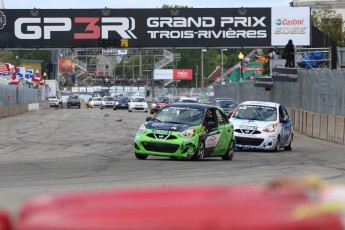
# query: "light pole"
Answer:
x=202 y=67
x=241 y=56
x=222 y=73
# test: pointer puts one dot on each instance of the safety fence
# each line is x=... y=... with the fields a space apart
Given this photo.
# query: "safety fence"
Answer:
x=320 y=91
x=12 y=95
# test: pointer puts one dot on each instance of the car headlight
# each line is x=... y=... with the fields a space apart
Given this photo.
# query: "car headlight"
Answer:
x=154 y=105
x=142 y=129
x=269 y=128
x=188 y=133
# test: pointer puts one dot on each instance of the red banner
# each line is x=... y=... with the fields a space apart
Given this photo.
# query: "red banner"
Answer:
x=182 y=74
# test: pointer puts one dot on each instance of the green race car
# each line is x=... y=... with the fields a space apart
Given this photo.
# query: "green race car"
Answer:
x=187 y=131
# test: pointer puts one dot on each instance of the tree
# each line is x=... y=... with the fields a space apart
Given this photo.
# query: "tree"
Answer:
x=330 y=23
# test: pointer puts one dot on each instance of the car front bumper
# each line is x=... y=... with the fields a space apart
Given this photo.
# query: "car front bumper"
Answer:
x=183 y=148
x=266 y=141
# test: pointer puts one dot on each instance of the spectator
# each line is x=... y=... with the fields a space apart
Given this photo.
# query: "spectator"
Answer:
x=272 y=54
x=289 y=52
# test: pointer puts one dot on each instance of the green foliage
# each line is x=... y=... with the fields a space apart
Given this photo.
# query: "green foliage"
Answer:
x=330 y=23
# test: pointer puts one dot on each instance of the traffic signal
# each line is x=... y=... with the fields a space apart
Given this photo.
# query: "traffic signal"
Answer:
x=113 y=42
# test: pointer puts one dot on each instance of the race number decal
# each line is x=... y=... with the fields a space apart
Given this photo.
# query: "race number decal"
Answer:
x=212 y=140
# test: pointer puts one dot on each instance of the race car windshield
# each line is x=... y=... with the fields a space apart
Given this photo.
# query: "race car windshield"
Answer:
x=177 y=115
x=138 y=99
x=161 y=100
x=225 y=104
x=256 y=112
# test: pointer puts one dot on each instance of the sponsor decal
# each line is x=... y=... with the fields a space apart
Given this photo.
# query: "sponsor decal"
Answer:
x=284 y=74
x=263 y=82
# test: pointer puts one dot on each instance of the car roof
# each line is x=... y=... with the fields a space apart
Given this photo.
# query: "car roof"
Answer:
x=192 y=105
x=224 y=98
x=263 y=103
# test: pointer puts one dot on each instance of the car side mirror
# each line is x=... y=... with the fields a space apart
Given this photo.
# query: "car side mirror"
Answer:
x=148 y=118
x=283 y=120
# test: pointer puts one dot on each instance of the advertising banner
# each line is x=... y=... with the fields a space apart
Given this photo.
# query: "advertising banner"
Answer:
x=182 y=74
x=284 y=74
x=159 y=28
x=173 y=74
x=263 y=82
x=291 y=23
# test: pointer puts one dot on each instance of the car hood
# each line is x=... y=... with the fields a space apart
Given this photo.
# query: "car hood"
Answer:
x=73 y=100
x=243 y=122
x=166 y=126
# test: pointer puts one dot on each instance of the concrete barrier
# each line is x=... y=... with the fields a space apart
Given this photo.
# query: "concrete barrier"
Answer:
x=309 y=125
x=323 y=126
x=339 y=129
x=331 y=128
x=316 y=125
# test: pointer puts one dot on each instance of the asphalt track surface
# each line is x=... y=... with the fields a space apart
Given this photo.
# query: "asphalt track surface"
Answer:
x=60 y=150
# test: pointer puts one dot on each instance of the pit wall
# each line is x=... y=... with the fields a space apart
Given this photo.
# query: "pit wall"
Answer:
x=319 y=126
x=13 y=110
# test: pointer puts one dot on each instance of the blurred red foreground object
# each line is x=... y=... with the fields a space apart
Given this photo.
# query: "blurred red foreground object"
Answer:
x=211 y=207
x=4 y=221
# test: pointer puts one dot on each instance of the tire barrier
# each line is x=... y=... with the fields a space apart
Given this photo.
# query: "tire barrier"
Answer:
x=282 y=204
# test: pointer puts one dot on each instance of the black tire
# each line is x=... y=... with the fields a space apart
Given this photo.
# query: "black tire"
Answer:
x=199 y=152
x=130 y=111
x=141 y=156
x=68 y=107
x=79 y=107
x=114 y=108
x=277 y=146
x=230 y=152
x=289 y=147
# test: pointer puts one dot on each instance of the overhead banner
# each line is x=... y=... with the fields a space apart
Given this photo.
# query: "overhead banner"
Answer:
x=158 y=28
x=285 y=74
x=173 y=74
x=291 y=23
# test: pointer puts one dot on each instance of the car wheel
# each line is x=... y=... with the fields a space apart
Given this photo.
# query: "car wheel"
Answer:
x=129 y=110
x=229 y=154
x=289 y=147
x=101 y=107
x=79 y=107
x=114 y=108
x=200 y=151
x=151 y=112
x=277 y=147
x=68 y=107
x=141 y=156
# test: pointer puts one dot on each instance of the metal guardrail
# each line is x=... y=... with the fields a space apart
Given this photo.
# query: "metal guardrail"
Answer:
x=11 y=95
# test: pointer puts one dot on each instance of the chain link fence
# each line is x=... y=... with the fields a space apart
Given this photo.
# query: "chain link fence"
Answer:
x=320 y=91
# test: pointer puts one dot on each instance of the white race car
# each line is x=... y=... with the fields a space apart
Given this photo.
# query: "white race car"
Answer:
x=262 y=125
x=136 y=103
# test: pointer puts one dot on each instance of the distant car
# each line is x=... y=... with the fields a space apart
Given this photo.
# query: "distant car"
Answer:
x=157 y=103
x=95 y=102
x=54 y=102
x=227 y=104
x=188 y=100
x=121 y=103
x=174 y=99
x=107 y=102
x=187 y=131
x=137 y=103
x=262 y=125
x=73 y=101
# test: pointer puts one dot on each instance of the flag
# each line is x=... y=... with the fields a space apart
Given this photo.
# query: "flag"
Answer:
x=3 y=69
